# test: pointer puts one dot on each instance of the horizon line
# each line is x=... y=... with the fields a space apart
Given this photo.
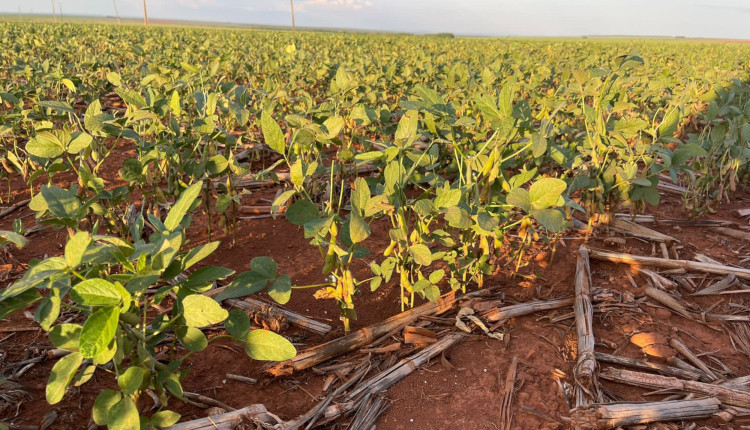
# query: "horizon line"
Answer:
x=233 y=25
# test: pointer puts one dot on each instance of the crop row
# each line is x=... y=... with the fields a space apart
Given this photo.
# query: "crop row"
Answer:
x=456 y=143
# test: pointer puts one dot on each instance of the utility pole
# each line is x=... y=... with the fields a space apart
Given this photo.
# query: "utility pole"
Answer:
x=54 y=14
x=20 y=18
x=294 y=28
x=59 y=6
x=145 y=14
x=117 y=14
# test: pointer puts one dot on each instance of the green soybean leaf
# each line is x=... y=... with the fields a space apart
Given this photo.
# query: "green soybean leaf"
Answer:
x=242 y=285
x=76 y=247
x=237 y=324
x=131 y=379
x=669 y=124
x=114 y=78
x=551 y=219
x=65 y=336
x=106 y=354
x=98 y=331
x=281 y=201
x=360 y=195
x=33 y=277
x=164 y=419
x=205 y=126
x=182 y=205
x=131 y=97
x=206 y=275
x=407 y=128
x=393 y=174
x=487 y=222
x=437 y=276
x=538 y=145
x=359 y=230
x=103 y=403
x=505 y=98
x=296 y=174
x=81 y=140
x=201 y=311
x=343 y=80
x=265 y=345
x=217 y=164
x=686 y=152
x=8 y=97
x=189 y=67
x=62 y=373
x=192 y=339
x=272 y=133
x=60 y=202
x=84 y=375
x=301 y=212
x=519 y=198
x=48 y=311
x=124 y=416
x=432 y=293
x=319 y=227
x=458 y=217
x=629 y=60
x=68 y=84
x=56 y=105
x=172 y=383
x=332 y=126
x=375 y=283
x=96 y=292
x=281 y=289
x=14 y=238
x=37 y=203
x=131 y=171
x=630 y=127
x=45 y=145
x=447 y=197
x=420 y=285
x=265 y=267
x=421 y=254
x=174 y=103
x=651 y=196
x=198 y=253
x=547 y=192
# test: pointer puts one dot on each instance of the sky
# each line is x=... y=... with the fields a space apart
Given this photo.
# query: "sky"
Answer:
x=690 y=18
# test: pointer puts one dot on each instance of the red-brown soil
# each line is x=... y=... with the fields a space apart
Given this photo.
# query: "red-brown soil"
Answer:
x=433 y=397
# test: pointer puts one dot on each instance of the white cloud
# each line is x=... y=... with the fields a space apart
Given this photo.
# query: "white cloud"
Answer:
x=197 y=4
x=334 y=4
x=275 y=7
